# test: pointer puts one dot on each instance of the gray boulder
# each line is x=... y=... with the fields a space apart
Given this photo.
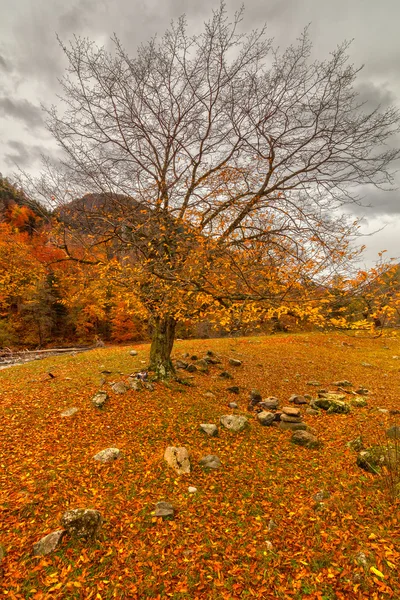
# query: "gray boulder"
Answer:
x=332 y=403
x=270 y=403
x=287 y=425
x=210 y=462
x=107 y=455
x=164 y=509
x=119 y=387
x=99 y=399
x=234 y=422
x=82 y=522
x=290 y=411
x=48 y=543
x=306 y=439
x=296 y=399
x=265 y=417
x=209 y=428
x=178 y=459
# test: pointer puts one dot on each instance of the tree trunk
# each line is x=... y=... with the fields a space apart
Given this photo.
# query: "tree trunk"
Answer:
x=161 y=347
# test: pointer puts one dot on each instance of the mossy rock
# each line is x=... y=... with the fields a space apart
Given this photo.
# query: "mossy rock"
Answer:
x=358 y=402
x=332 y=404
x=374 y=458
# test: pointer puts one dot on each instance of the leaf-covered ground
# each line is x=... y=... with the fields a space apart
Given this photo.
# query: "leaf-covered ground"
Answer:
x=218 y=545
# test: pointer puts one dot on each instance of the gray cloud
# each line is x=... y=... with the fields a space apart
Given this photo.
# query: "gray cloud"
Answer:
x=23 y=110
x=23 y=155
x=4 y=64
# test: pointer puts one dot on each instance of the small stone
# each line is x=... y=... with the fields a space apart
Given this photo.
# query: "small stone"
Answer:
x=290 y=411
x=133 y=352
x=202 y=365
x=270 y=403
x=69 y=412
x=313 y=383
x=312 y=412
x=362 y=391
x=164 y=510
x=209 y=395
x=265 y=418
x=99 y=399
x=48 y=543
x=342 y=383
x=135 y=384
x=180 y=364
x=297 y=399
x=210 y=462
x=272 y=525
x=289 y=418
x=357 y=444
x=119 y=387
x=178 y=459
x=210 y=353
x=234 y=389
x=209 y=428
x=191 y=369
x=361 y=559
x=107 y=455
x=235 y=362
x=306 y=439
x=365 y=364
x=192 y=489
x=194 y=357
x=268 y=545
x=234 y=423
x=393 y=432
x=232 y=405
x=384 y=411
x=185 y=355
x=225 y=375
x=82 y=522
x=149 y=386
x=321 y=495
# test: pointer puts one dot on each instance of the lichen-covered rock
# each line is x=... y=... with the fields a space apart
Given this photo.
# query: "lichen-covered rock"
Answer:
x=265 y=417
x=358 y=402
x=211 y=461
x=332 y=403
x=178 y=459
x=306 y=439
x=48 y=543
x=393 y=432
x=99 y=399
x=68 y=412
x=270 y=403
x=82 y=522
x=119 y=387
x=234 y=422
x=209 y=428
x=164 y=509
x=374 y=458
x=107 y=455
x=312 y=412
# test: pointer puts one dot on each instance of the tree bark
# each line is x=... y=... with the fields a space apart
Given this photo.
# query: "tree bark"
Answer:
x=161 y=347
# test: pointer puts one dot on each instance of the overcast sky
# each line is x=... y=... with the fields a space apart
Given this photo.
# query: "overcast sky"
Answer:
x=31 y=61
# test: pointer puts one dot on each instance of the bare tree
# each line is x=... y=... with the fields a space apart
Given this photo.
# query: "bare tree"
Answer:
x=219 y=145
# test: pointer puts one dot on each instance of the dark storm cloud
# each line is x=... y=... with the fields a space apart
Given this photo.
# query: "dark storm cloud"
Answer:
x=23 y=110
x=23 y=155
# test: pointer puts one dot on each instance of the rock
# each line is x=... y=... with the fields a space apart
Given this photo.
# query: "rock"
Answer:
x=265 y=418
x=225 y=375
x=394 y=433
x=365 y=364
x=212 y=361
x=358 y=402
x=374 y=458
x=180 y=364
x=321 y=496
x=235 y=362
x=292 y=426
x=119 y=387
x=362 y=391
x=185 y=355
x=272 y=525
x=135 y=384
x=210 y=353
x=99 y=399
x=306 y=439
x=270 y=403
x=149 y=386
x=202 y=365
x=312 y=412
x=192 y=489
x=48 y=543
x=194 y=357
x=107 y=455
x=232 y=405
x=234 y=422
x=164 y=510
x=357 y=444
x=82 y=522
x=314 y=383
x=178 y=459
x=210 y=462
x=289 y=418
x=268 y=545
x=297 y=399
x=361 y=559
x=209 y=428
x=209 y=395
x=342 y=383
x=69 y=412
x=191 y=369
x=133 y=352
x=234 y=389
x=332 y=403
x=290 y=411
x=384 y=411
x=255 y=399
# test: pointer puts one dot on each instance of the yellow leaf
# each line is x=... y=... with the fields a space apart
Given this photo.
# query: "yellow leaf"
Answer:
x=376 y=572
